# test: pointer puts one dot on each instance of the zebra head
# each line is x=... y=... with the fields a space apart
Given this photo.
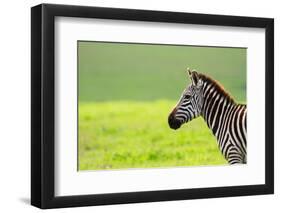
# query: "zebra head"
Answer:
x=190 y=104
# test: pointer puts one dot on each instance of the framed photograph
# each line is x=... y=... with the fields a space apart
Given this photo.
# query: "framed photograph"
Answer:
x=139 y=106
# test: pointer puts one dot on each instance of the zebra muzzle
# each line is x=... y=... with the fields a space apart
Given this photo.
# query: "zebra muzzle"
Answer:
x=173 y=122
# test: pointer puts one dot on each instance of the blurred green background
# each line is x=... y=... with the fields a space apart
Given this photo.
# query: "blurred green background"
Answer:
x=126 y=92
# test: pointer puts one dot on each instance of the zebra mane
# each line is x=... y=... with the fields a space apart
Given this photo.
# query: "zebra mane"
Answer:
x=218 y=87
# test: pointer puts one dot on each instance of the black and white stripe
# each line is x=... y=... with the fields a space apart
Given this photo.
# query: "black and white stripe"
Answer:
x=226 y=118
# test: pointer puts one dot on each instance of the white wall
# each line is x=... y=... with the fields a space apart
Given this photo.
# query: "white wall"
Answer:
x=15 y=105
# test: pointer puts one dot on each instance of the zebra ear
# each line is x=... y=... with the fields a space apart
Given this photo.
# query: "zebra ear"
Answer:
x=189 y=72
x=193 y=75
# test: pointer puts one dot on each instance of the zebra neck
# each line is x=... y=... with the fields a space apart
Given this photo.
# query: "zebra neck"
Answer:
x=216 y=106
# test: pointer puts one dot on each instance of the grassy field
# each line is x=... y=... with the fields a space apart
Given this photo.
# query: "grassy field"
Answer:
x=110 y=71
x=141 y=138
x=126 y=92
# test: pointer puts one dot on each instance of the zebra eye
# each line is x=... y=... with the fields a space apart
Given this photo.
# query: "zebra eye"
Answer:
x=187 y=96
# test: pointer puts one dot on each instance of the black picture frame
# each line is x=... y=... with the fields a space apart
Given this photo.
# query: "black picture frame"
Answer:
x=43 y=102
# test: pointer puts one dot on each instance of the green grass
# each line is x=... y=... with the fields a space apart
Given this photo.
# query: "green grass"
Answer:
x=131 y=134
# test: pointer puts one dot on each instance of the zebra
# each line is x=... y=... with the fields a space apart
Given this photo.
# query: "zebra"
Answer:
x=227 y=119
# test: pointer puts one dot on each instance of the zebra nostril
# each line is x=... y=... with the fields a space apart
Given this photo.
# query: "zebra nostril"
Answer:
x=170 y=118
x=173 y=122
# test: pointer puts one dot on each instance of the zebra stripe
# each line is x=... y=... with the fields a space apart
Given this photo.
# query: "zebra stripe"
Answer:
x=226 y=118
